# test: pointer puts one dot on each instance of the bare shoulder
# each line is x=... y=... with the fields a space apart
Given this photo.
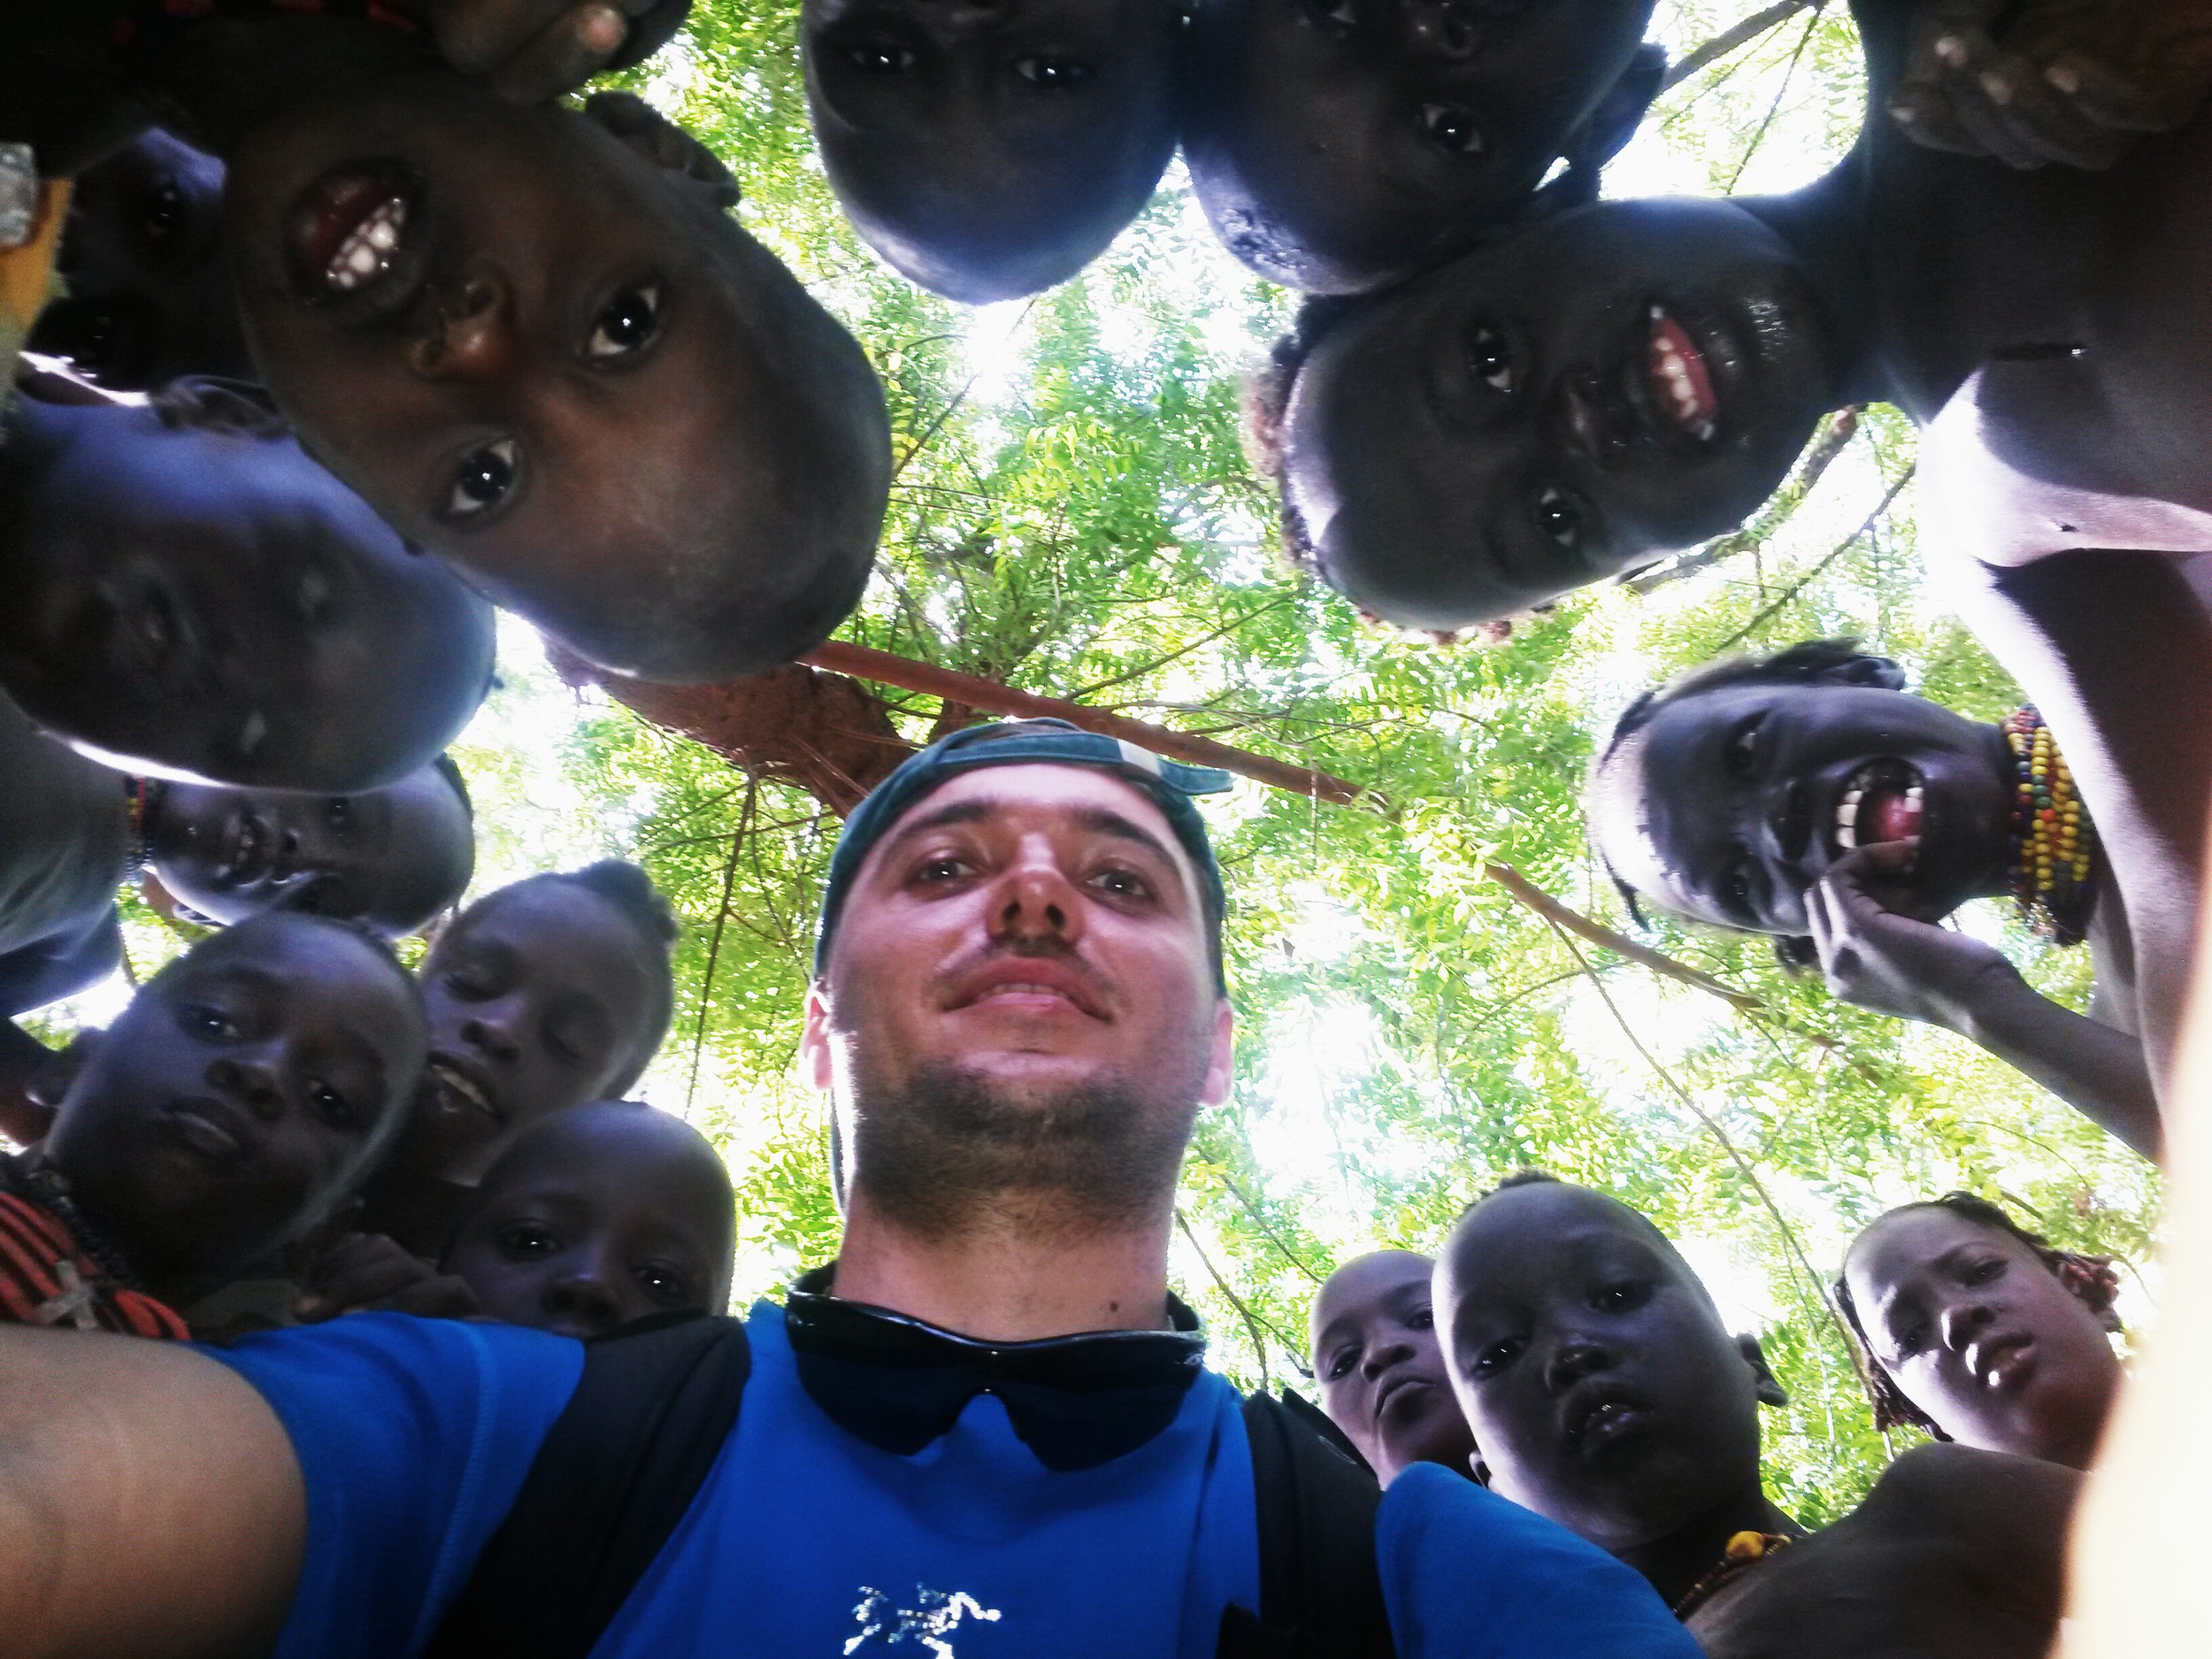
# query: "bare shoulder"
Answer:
x=1956 y=1487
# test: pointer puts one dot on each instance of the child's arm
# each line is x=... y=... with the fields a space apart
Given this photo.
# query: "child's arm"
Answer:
x=1875 y=959
x=531 y=49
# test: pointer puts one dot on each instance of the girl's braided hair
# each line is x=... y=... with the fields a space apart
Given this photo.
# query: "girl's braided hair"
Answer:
x=2093 y=1280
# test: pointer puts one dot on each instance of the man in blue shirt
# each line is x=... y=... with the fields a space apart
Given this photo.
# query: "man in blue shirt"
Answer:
x=985 y=1430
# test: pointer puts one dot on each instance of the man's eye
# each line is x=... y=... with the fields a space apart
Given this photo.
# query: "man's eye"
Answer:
x=626 y=324
x=483 y=478
x=1452 y=127
x=329 y=1105
x=1056 y=73
x=663 y=1283
x=1490 y=358
x=881 y=57
x=210 y=1025
x=1123 y=884
x=527 y=1239
x=1742 y=758
x=1560 y=517
x=942 y=868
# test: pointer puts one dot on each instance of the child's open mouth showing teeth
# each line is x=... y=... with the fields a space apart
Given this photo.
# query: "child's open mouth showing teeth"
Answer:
x=367 y=250
x=1681 y=378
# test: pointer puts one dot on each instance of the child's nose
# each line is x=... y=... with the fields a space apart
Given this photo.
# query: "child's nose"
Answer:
x=583 y=1298
x=474 y=336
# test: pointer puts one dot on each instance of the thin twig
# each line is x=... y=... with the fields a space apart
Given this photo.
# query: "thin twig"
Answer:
x=1560 y=916
x=1273 y=1238
x=1729 y=38
x=1251 y=1320
x=714 y=945
x=1829 y=557
x=1780 y=92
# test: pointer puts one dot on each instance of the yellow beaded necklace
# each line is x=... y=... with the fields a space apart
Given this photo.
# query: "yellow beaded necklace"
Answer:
x=2054 y=849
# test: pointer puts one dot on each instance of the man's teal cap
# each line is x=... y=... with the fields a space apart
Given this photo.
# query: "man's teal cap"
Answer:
x=1168 y=784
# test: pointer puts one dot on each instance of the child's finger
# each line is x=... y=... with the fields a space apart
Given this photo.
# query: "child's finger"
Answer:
x=1924 y=114
x=2041 y=120
x=2105 y=96
x=567 y=53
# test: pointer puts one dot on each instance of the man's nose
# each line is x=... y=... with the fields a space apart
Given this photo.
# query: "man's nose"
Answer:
x=474 y=334
x=1572 y=1360
x=1036 y=901
x=251 y=1082
x=584 y=1298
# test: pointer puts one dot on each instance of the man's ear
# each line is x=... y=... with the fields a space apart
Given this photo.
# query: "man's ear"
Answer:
x=1770 y=1392
x=1619 y=113
x=1221 y=1065
x=817 y=1054
x=661 y=141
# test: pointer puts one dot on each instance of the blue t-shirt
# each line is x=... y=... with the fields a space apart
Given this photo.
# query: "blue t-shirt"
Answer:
x=415 y=1435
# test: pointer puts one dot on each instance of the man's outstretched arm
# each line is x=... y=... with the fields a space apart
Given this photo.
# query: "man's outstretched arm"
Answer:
x=149 y=1501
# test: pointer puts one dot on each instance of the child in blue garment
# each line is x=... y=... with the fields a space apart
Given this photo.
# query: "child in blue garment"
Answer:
x=1604 y=1392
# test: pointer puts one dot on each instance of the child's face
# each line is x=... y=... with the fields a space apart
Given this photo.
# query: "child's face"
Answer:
x=149 y=293
x=987 y=149
x=1728 y=807
x=213 y=606
x=554 y=363
x=389 y=858
x=539 y=999
x=1630 y=378
x=1980 y=1334
x=243 y=1091
x=606 y=1214
x=1380 y=1369
x=1342 y=144
x=1597 y=1379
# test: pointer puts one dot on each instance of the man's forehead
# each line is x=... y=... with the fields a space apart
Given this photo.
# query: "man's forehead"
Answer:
x=1024 y=793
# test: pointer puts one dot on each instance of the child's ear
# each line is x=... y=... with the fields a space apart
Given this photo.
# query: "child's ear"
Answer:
x=1614 y=122
x=661 y=141
x=50 y=1083
x=1769 y=1391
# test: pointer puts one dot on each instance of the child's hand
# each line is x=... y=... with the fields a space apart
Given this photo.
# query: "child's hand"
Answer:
x=531 y=49
x=370 y=1273
x=2067 y=82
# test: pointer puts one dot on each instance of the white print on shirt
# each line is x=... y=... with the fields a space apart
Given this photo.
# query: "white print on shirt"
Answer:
x=937 y=1614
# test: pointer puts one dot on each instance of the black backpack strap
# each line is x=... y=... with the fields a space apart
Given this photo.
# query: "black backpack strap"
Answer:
x=1321 y=1590
x=610 y=1482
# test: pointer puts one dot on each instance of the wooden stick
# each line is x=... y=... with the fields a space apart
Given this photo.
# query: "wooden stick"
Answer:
x=864 y=662
x=1552 y=910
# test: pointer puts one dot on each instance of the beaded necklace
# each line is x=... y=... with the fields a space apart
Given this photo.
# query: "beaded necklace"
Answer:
x=30 y=1178
x=1744 y=1550
x=2054 y=848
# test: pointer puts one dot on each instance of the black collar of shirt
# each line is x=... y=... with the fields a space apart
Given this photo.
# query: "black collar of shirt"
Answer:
x=1076 y=1401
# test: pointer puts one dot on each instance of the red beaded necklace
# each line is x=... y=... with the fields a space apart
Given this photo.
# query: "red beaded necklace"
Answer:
x=2054 y=849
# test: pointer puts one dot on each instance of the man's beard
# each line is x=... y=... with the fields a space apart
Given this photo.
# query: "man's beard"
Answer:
x=947 y=1155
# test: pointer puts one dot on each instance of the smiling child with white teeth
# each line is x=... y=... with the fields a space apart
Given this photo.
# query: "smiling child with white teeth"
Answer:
x=1806 y=795
x=240 y=1097
x=1605 y=1393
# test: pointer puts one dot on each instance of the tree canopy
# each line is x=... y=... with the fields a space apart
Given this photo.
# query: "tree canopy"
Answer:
x=1073 y=515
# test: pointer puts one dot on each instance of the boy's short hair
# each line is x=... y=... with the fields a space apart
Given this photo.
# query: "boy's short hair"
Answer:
x=626 y=886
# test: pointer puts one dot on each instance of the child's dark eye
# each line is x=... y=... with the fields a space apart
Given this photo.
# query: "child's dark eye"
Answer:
x=1498 y=1356
x=1452 y=129
x=1422 y=1319
x=329 y=1105
x=1340 y=1363
x=1982 y=1273
x=210 y=1024
x=1742 y=757
x=1490 y=357
x=1735 y=887
x=1560 y=517
x=338 y=813
x=626 y=324
x=1621 y=1298
x=879 y=57
x=1053 y=74
x=164 y=212
x=483 y=478
x=664 y=1284
x=313 y=594
x=528 y=1240
x=469 y=986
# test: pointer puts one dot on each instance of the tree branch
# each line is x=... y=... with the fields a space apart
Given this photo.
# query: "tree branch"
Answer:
x=1559 y=915
x=1729 y=38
